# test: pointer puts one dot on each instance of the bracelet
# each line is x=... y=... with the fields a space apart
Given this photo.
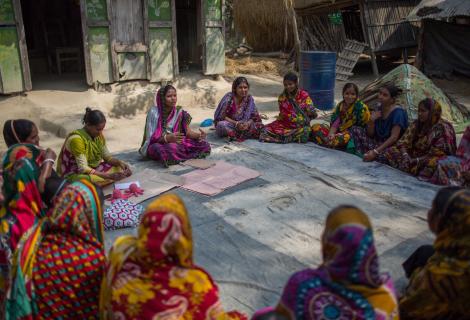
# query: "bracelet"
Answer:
x=376 y=152
x=164 y=138
x=92 y=171
x=49 y=160
x=236 y=124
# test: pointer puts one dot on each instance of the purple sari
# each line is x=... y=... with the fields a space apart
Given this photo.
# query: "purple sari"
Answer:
x=246 y=112
x=154 y=145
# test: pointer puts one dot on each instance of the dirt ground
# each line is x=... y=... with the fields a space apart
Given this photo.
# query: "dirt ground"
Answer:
x=252 y=237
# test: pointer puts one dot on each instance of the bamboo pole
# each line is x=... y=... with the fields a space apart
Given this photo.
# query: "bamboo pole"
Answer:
x=290 y=8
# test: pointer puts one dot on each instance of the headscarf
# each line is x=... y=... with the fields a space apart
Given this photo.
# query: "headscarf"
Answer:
x=435 y=112
x=59 y=264
x=434 y=138
x=441 y=289
x=227 y=104
x=152 y=276
x=348 y=284
x=22 y=207
x=156 y=126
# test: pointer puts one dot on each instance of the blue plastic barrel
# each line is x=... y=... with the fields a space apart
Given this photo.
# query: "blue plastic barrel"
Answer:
x=317 y=76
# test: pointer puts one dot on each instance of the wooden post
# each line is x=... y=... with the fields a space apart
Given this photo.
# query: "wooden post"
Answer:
x=365 y=30
x=112 y=40
x=419 y=55
x=174 y=36
x=145 y=10
x=86 y=49
x=22 y=45
x=290 y=7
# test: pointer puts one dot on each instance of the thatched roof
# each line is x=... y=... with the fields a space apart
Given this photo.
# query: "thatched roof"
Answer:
x=440 y=9
x=264 y=23
x=309 y=7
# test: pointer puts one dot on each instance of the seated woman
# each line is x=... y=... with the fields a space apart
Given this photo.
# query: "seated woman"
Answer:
x=296 y=109
x=349 y=112
x=23 y=183
x=383 y=129
x=236 y=117
x=22 y=131
x=427 y=140
x=455 y=170
x=348 y=284
x=153 y=276
x=439 y=286
x=85 y=155
x=168 y=137
x=59 y=265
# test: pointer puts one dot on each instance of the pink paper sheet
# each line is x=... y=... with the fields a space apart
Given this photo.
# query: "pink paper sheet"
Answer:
x=218 y=178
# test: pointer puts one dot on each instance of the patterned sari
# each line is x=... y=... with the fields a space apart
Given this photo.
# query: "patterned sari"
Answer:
x=342 y=119
x=152 y=276
x=451 y=169
x=441 y=289
x=429 y=145
x=246 y=112
x=348 y=285
x=81 y=155
x=153 y=144
x=22 y=207
x=293 y=122
x=59 y=264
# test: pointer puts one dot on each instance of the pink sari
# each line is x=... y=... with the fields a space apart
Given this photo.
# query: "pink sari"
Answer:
x=154 y=146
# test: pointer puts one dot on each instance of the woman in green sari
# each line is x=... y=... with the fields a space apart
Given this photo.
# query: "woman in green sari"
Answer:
x=85 y=155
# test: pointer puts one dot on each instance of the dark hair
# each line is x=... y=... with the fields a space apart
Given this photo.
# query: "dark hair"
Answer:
x=238 y=81
x=93 y=117
x=350 y=85
x=393 y=90
x=52 y=187
x=444 y=203
x=291 y=76
x=165 y=89
x=14 y=130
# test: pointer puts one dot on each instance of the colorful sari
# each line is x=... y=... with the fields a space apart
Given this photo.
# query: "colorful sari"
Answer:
x=293 y=122
x=22 y=207
x=441 y=289
x=153 y=144
x=348 y=285
x=246 y=112
x=429 y=145
x=81 y=155
x=450 y=170
x=59 y=264
x=342 y=119
x=152 y=276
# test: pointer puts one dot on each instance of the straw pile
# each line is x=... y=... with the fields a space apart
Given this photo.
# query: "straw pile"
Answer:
x=264 y=23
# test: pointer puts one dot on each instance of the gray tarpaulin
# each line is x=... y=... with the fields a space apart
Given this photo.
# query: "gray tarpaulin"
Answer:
x=446 y=48
x=252 y=237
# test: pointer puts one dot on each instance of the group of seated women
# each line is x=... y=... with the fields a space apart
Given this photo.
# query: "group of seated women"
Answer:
x=59 y=269
x=426 y=148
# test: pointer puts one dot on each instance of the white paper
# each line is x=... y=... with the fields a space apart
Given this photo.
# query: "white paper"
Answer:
x=125 y=185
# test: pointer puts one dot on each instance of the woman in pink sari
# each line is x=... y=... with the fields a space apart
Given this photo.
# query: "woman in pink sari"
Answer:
x=167 y=136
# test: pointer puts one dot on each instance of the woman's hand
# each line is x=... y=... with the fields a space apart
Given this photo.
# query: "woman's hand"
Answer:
x=243 y=126
x=370 y=156
x=374 y=115
x=174 y=137
x=50 y=154
x=202 y=134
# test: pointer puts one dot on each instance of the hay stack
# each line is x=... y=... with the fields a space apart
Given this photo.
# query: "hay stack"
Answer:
x=263 y=23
